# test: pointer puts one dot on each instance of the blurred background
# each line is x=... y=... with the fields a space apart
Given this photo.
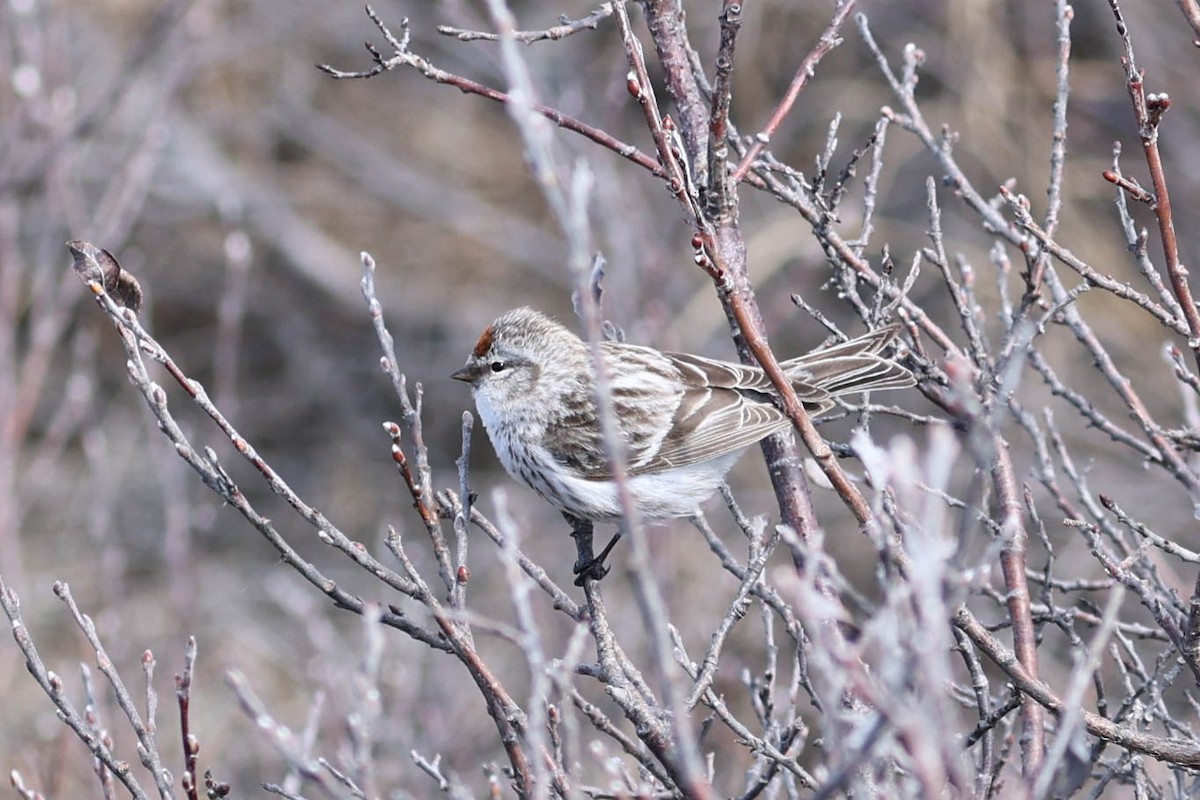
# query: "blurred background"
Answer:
x=198 y=142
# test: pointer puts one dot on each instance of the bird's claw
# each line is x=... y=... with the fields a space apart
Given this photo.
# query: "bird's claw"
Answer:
x=591 y=570
x=588 y=567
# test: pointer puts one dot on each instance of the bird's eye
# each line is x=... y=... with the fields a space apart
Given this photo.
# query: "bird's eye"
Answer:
x=498 y=366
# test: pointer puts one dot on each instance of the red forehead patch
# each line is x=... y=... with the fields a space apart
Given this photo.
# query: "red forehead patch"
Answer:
x=485 y=342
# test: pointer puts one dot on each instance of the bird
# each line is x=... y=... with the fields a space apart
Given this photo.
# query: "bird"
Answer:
x=682 y=420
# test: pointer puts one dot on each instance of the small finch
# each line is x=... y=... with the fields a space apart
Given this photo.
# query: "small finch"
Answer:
x=683 y=420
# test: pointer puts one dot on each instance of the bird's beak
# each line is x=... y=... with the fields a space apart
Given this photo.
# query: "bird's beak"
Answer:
x=468 y=374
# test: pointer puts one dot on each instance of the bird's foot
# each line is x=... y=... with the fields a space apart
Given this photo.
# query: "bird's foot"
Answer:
x=588 y=566
x=592 y=570
x=593 y=567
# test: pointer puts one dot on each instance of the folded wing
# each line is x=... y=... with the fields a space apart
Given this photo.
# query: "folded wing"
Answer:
x=678 y=409
x=726 y=407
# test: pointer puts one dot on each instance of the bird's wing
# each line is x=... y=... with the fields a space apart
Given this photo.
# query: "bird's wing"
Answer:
x=646 y=392
x=851 y=366
x=871 y=342
x=677 y=409
x=701 y=372
x=718 y=413
x=728 y=406
x=849 y=374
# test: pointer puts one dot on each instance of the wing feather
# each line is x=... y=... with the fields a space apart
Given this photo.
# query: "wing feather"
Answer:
x=726 y=422
x=646 y=393
x=678 y=409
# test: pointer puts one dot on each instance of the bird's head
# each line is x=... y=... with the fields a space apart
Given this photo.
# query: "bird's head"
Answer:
x=517 y=357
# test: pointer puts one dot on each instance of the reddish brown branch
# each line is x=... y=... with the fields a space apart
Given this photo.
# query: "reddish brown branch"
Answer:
x=1131 y=187
x=183 y=695
x=505 y=713
x=794 y=409
x=720 y=252
x=671 y=145
x=829 y=40
x=1148 y=111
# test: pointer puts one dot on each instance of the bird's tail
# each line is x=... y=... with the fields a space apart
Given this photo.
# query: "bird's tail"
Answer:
x=853 y=366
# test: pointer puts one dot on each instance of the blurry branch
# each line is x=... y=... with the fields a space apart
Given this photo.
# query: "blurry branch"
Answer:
x=421 y=193
x=561 y=31
x=719 y=251
x=70 y=163
x=295 y=750
x=567 y=193
x=86 y=726
x=760 y=550
x=403 y=57
x=766 y=593
x=1040 y=270
x=160 y=33
x=1148 y=111
x=30 y=343
x=52 y=685
x=356 y=778
x=1191 y=12
x=779 y=748
x=1013 y=558
x=269 y=214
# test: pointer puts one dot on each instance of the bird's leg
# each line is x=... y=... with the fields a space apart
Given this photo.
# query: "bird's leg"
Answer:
x=587 y=565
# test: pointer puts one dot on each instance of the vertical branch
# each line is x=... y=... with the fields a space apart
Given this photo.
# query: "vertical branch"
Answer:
x=668 y=30
x=183 y=695
x=462 y=518
x=722 y=199
x=1013 y=564
x=1015 y=538
x=720 y=251
x=1148 y=111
